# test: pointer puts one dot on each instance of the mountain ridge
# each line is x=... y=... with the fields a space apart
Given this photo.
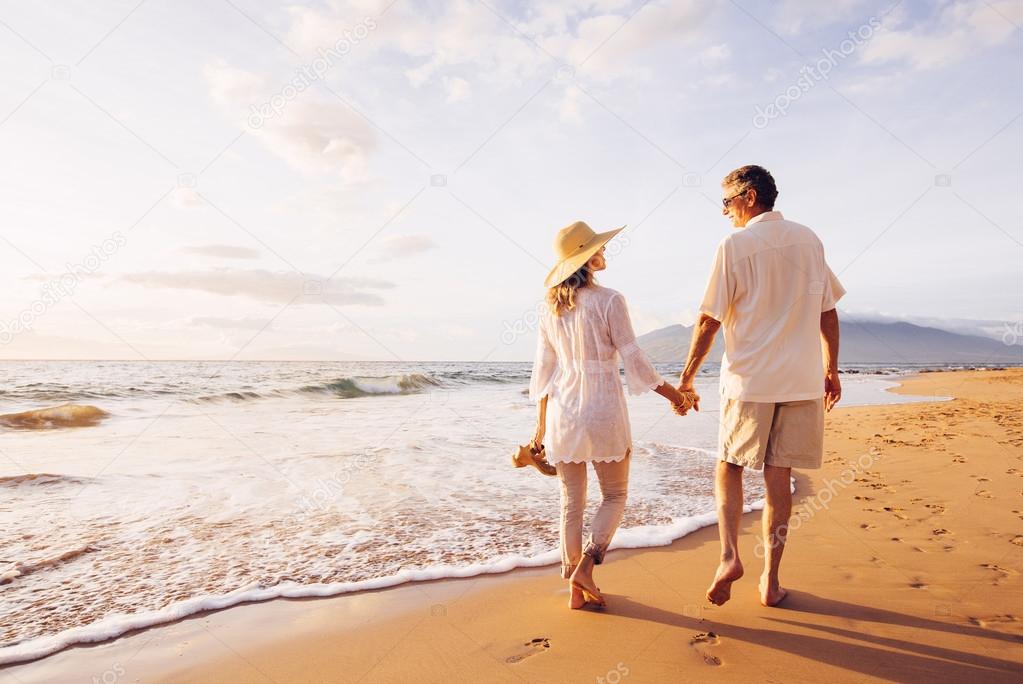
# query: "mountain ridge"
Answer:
x=862 y=342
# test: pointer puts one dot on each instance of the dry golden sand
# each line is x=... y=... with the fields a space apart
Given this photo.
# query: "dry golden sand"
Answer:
x=910 y=572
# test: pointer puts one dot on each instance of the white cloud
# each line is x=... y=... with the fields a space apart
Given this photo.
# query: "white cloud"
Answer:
x=568 y=109
x=960 y=30
x=715 y=80
x=715 y=54
x=222 y=323
x=462 y=33
x=397 y=246
x=314 y=136
x=457 y=89
x=266 y=286
x=610 y=43
x=222 y=251
x=800 y=16
x=186 y=198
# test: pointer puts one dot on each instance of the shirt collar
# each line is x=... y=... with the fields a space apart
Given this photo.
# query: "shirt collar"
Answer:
x=766 y=216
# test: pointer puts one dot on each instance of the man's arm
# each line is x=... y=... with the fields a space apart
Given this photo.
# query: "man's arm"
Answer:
x=829 y=342
x=704 y=333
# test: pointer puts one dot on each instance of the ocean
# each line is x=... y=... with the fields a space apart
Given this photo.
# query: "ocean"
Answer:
x=206 y=484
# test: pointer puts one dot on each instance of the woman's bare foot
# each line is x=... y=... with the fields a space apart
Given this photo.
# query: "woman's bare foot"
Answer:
x=771 y=593
x=720 y=589
x=575 y=597
x=582 y=580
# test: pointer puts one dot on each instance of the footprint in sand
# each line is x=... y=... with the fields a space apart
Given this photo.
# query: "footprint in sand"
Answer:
x=895 y=510
x=993 y=620
x=867 y=526
x=918 y=583
x=985 y=494
x=938 y=531
x=1018 y=541
x=702 y=643
x=935 y=508
x=1003 y=573
x=528 y=649
x=959 y=459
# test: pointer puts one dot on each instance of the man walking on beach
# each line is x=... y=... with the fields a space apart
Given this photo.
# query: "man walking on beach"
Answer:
x=774 y=295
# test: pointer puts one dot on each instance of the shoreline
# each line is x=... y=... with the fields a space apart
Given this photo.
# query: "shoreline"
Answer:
x=116 y=626
x=223 y=645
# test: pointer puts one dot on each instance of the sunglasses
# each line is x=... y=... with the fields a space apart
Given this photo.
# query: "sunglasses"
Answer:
x=727 y=201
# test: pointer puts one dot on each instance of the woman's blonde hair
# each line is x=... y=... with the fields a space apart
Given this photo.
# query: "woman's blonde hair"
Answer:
x=561 y=297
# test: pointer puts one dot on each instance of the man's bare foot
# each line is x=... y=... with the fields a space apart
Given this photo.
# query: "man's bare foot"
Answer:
x=575 y=598
x=771 y=593
x=720 y=589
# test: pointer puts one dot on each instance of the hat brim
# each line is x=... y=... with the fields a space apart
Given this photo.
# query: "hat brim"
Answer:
x=567 y=267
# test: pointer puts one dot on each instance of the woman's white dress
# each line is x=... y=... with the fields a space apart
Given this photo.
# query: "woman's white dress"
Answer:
x=577 y=365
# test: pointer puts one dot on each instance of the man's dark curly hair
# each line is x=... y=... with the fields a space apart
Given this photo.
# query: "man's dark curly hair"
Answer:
x=758 y=178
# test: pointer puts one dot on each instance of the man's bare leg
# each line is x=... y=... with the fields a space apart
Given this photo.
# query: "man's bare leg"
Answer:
x=728 y=496
x=777 y=511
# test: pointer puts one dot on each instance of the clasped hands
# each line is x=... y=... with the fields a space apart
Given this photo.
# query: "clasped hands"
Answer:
x=688 y=399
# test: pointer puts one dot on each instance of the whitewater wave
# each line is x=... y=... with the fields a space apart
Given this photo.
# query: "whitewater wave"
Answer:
x=349 y=387
x=66 y=415
x=38 y=479
x=17 y=569
x=113 y=626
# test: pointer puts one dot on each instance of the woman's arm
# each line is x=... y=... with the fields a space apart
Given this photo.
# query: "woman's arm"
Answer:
x=678 y=399
x=541 y=422
x=640 y=374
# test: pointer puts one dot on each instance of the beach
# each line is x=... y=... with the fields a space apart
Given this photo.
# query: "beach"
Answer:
x=904 y=565
x=168 y=489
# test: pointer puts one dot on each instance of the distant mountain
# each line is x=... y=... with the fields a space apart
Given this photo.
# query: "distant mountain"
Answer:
x=863 y=342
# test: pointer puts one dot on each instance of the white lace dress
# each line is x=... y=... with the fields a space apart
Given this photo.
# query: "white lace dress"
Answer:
x=577 y=365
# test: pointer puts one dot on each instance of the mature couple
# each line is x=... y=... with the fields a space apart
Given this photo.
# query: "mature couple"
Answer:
x=773 y=293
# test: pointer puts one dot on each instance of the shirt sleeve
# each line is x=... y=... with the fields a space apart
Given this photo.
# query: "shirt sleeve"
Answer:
x=640 y=374
x=833 y=290
x=720 y=286
x=545 y=364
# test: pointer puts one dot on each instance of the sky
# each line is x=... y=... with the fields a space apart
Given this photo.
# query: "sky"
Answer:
x=383 y=179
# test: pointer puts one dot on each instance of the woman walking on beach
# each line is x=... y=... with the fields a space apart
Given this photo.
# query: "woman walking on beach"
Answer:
x=583 y=331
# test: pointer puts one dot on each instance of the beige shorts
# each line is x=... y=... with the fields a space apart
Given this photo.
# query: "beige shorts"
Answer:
x=786 y=434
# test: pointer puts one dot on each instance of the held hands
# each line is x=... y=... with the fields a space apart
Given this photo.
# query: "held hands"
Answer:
x=686 y=399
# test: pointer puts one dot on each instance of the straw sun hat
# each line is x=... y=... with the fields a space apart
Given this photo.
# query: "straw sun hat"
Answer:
x=574 y=245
